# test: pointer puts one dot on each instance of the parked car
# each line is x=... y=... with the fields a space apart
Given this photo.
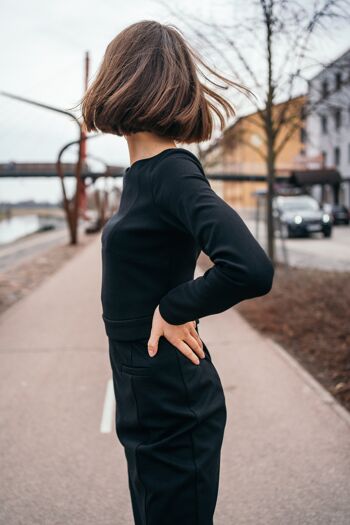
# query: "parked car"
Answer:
x=339 y=213
x=300 y=216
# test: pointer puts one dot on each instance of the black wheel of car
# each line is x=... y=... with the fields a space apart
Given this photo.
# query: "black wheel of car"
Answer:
x=327 y=233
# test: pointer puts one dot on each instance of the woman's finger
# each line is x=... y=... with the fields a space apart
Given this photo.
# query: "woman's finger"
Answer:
x=186 y=351
x=195 y=345
x=197 y=336
x=152 y=344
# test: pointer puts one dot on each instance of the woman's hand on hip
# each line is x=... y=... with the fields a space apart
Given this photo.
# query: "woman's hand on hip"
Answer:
x=184 y=336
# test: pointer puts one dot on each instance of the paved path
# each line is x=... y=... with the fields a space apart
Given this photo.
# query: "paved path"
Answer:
x=286 y=455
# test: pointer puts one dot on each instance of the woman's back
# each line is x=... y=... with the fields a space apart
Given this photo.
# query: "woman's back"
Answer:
x=143 y=256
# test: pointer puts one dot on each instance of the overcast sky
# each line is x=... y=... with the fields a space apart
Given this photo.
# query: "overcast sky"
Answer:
x=42 y=53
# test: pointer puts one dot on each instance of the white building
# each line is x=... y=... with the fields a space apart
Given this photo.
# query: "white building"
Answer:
x=328 y=126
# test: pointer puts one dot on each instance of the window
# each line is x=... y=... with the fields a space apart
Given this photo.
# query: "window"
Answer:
x=349 y=153
x=336 y=156
x=303 y=135
x=325 y=89
x=324 y=159
x=337 y=118
x=338 y=81
x=324 y=124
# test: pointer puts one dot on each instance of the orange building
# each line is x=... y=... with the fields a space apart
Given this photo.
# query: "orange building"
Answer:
x=241 y=150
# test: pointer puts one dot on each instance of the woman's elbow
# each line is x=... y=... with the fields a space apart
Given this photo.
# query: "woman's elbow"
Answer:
x=258 y=278
x=266 y=279
x=255 y=277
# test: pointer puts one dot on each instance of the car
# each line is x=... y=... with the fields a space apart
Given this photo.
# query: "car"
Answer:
x=339 y=213
x=300 y=216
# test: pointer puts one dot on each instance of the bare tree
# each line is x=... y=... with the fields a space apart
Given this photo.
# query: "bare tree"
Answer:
x=270 y=47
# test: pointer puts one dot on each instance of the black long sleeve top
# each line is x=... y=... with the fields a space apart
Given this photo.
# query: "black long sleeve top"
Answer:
x=168 y=213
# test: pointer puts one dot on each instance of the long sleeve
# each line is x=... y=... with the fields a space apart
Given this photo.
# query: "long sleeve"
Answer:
x=242 y=269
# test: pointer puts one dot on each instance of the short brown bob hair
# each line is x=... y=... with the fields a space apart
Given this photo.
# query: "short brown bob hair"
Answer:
x=148 y=81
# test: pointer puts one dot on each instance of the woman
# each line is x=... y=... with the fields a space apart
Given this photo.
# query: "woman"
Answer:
x=171 y=411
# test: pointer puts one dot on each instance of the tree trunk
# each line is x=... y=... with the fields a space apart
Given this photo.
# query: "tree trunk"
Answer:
x=270 y=132
x=270 y=164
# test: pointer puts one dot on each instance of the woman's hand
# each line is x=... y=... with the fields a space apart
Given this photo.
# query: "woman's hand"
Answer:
x=183 y=336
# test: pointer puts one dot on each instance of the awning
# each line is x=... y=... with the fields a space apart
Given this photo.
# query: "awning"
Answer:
x=309 y=177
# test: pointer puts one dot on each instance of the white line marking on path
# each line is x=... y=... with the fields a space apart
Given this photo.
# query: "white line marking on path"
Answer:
x=108 y=409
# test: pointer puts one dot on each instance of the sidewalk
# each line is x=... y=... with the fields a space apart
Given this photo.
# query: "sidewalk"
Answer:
x=286 y=454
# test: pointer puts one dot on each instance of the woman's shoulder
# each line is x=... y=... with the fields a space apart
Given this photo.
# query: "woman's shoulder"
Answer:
x=178 y=154
x=178 y=174
x=175 y=165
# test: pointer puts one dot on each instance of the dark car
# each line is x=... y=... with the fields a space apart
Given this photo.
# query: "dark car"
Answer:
x=300 y=216
x=339 y=213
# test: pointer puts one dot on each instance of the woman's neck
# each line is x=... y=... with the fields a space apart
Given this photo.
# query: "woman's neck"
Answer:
x=145 y=144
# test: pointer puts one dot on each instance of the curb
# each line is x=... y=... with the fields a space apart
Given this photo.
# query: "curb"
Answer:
x=317 y=388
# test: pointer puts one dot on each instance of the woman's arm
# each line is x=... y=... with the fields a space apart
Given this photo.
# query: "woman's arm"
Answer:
x=241 y=270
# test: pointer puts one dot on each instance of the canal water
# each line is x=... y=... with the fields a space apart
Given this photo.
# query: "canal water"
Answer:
x=16 y=227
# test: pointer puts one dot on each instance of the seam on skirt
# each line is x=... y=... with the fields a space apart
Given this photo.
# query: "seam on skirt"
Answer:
x=136 y=448
x=192 y=445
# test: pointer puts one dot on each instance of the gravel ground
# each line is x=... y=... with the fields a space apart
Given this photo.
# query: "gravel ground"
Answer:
x=307 y=312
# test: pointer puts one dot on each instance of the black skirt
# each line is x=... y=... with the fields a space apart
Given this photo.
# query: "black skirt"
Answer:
x=170 y=419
